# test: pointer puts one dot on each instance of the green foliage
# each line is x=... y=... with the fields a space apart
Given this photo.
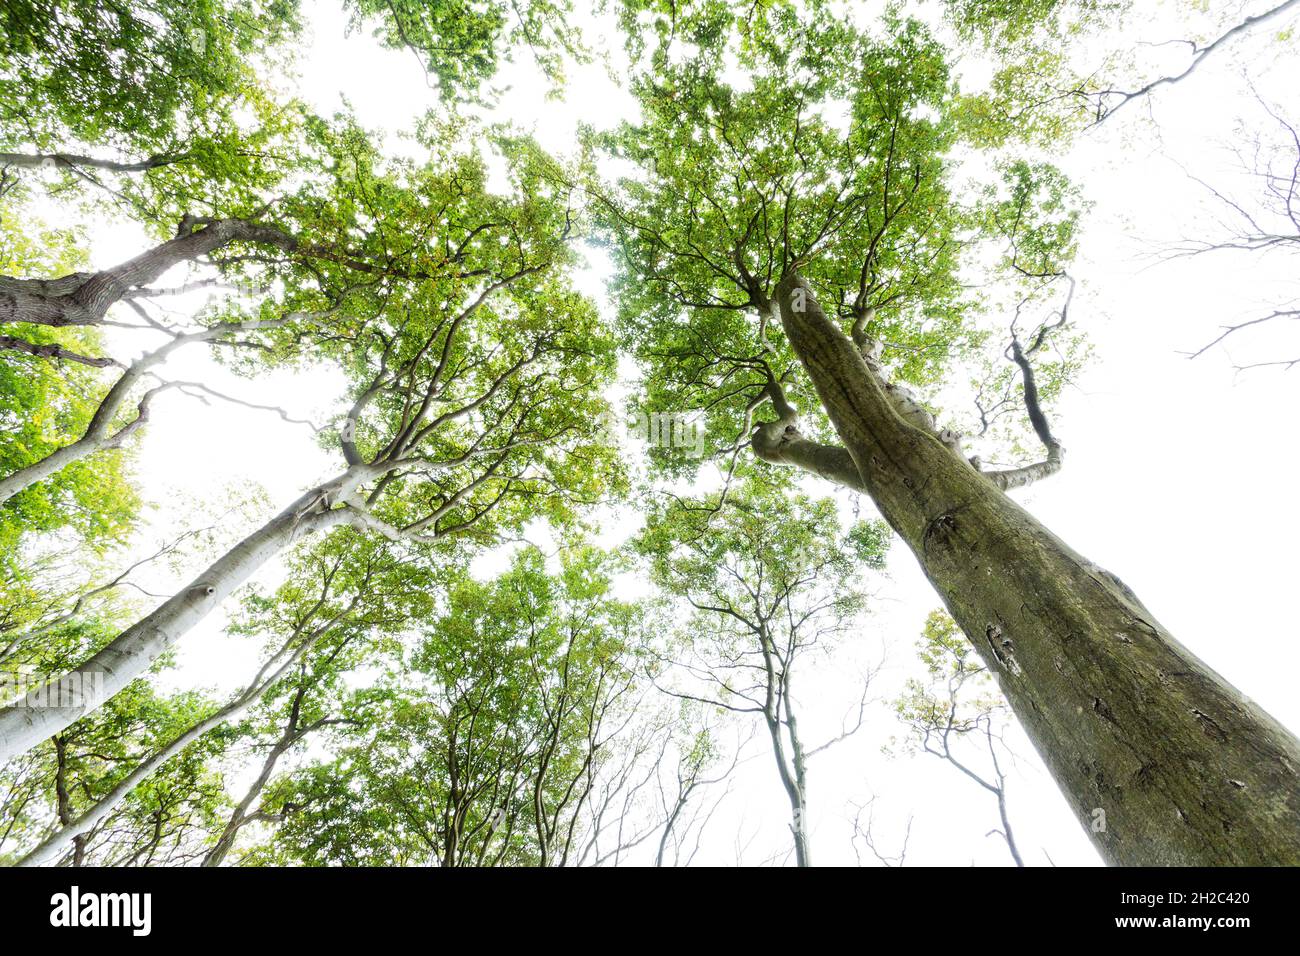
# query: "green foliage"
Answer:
x=767 y=565
x=478 y=310
x=161 y=822
x=957 y=698
x=432 y=714
x=479 y=745
x=1036 y=209
x=129 y=76
x=803 y=144
x=177 y=85
x=1037 y=95
x=45 y=405
x=774 y=140
x=1010 y=21
x=462 y=43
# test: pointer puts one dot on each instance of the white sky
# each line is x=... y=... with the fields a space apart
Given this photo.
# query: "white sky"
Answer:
x=1180 y=475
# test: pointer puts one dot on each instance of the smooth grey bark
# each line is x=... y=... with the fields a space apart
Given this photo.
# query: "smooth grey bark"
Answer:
x=792 y=769
x=75 y=160
x=100 y=434
x=53 y=847
x=1162 y=760
x=671 y=822
x=130 y=654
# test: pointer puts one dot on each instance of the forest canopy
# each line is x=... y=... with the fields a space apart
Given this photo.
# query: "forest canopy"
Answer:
x=469 y=433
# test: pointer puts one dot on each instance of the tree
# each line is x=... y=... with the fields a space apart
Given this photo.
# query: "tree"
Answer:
x=772 y=578
x=1036 y=79
x=953 y=705
x=1110 y=100
x=85 y=803
x=345 y=607
x=1262 y=222
x=826 y=251
x=105 y=429
x=345 y=602
x=158 y=106
x=143 y=102
x=475 y=392
x=810 y=195
x=461 y=44
x=483 y=744
x=42 y=405
x=697 y=765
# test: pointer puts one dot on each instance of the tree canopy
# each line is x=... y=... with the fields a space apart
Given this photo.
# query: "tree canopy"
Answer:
x=835 y=264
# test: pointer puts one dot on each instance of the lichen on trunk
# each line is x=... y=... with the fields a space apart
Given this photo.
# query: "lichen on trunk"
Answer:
x=1162 y=760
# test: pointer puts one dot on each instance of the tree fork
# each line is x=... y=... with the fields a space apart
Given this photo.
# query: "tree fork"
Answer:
x=1163 y=761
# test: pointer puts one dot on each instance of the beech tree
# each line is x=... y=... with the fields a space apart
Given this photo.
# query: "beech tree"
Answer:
x=347 y=606
x=160 y=105
x=953 y=705
x=43 y=405
x=475 y=398
x=159 y=820
x=790 y=242
x=142 y=105
x=857 y=278
x=1257 y=220
x=156 y=111
x=772 y=578
x=1040 y=87
x=343 y=596
x=485 y=741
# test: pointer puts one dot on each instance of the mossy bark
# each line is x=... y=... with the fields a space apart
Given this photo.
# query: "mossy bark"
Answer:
x=1163 y=761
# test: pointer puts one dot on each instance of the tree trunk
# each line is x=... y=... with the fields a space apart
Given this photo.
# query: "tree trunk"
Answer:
x=83 y=298
x=802 y=851
x=778 y=713
x=73 y=832
x=64 y=800
x=1162 y=760
x=237 y=819
x=799 y=782
x=1006 y=827
x=130 y=654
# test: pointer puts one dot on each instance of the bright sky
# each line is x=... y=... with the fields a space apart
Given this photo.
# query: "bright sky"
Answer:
x=1180 y=475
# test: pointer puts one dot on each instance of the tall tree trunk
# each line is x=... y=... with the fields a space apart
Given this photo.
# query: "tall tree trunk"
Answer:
x=73 y=831
x=799 y=816
x=1162 y=760
x=130 y=654
x=779 y=717
x=65 y=801
x=1006 y=828
x=798 y=783
x=291 y=734
x=239 y=817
